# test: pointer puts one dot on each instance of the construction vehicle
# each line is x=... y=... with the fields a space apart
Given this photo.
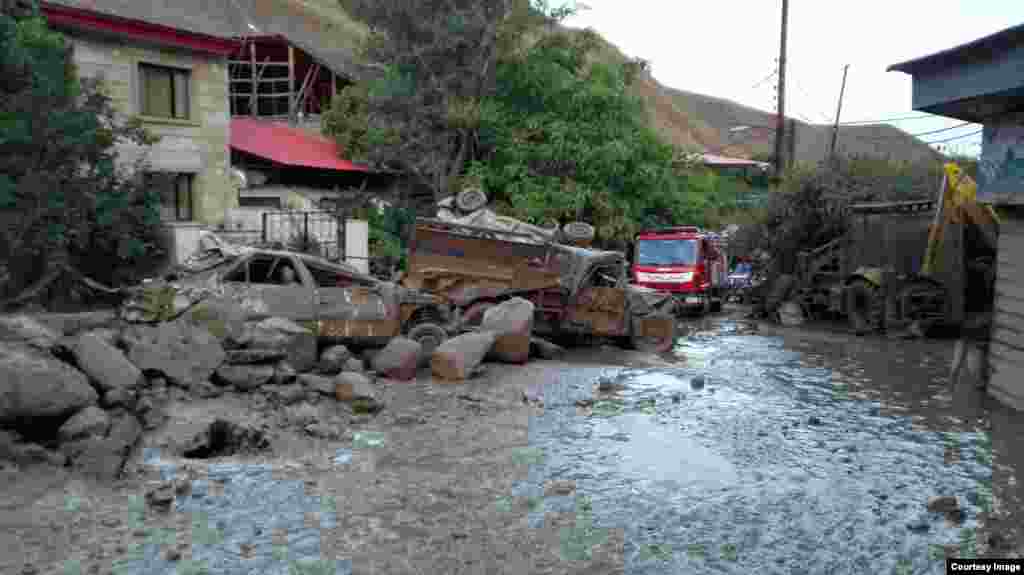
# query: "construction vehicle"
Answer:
x=574 y=290
x=913 y=264
x=685 y=261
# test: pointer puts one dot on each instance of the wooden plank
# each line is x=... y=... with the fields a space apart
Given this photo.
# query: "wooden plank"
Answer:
x=291 y=76
x=1003 y=389
x=1007 y=353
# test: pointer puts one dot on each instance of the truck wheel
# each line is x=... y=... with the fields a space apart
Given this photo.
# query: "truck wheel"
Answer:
x=660 y=343
x=429 y=336
x=861 y=306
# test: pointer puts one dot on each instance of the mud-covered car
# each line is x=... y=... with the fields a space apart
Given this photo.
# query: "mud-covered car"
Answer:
x=334 y=300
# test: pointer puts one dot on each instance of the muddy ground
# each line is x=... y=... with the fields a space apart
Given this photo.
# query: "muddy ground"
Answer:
x=603 y=478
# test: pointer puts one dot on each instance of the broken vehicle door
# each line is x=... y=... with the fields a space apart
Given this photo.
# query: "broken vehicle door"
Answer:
x=271 y=285
x=352 y=305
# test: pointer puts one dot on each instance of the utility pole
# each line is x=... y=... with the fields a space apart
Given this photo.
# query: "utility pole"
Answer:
x=839 y=108
x=780 y=124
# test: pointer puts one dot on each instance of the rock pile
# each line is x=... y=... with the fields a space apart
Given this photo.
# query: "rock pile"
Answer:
x=84 y=399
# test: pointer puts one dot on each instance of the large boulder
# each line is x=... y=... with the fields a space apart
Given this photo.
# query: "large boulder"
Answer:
x=245 y=377
x=254 y=356
x=318 y=383
x=298 y=343
x=512 y=322
x=91 y=421
x=350 y=386
x=24 y=329
x=455 y=359
x=186 y=354
x=399 y=359
x=105 y=365
x=34 y=384
x=334 y=359
x=104 y=457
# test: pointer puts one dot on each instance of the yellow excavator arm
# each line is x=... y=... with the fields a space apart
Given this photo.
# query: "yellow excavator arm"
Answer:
x=957 y=204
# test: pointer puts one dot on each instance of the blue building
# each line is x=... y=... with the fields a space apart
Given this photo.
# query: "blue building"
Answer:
x=983 y=82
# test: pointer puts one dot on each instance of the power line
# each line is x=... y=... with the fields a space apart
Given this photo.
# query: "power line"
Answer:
x=887 y=120
x=975 y=133
x=765 y=79
x=942 y=130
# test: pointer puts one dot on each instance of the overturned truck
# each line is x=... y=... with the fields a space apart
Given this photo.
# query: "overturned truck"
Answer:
x=575 y=291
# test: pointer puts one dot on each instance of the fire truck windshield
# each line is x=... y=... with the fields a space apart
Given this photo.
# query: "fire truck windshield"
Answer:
x=666 y=252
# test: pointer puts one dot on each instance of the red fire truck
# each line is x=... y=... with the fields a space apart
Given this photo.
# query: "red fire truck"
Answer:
x=685 y=261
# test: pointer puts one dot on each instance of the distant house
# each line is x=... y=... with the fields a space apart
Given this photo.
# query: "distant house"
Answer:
x=234 y=88
x=983 y=82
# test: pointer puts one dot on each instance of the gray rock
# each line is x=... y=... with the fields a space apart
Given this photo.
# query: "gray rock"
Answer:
x=105 y=365
x=334 y=359
x=91 y=421
x=104 y=457
x=290 y=394
x=457 y=358
x=351 y=385
x=296 y=341
x=207 y=390
x=399 y=359
x=35 y=384
x=284 y=374
x=512 y=322
x=24 y=329
x=186 y=354
x=109 y=335
x=323 y=431
x=318 y=383
x=245 y=377
x=31 y=454
x=119 y=398
x=355 y=364
x=544 y=349
x=943 y=504
x=254 y=356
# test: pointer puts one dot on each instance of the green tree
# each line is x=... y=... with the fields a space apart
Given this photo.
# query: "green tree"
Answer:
x=64 y=202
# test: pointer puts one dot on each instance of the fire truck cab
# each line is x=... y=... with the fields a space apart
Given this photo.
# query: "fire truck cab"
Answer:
x=685 y=261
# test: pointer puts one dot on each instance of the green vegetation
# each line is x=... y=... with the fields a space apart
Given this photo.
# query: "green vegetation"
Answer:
x=552 y=132
x=809 y=208
x=64 y=202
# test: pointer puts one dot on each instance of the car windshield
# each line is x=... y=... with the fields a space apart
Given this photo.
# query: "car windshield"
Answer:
x=666 y=252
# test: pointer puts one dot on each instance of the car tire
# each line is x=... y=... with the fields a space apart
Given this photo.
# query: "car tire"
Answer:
x=429 y=336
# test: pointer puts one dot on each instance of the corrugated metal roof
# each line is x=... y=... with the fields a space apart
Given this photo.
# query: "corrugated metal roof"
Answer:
x=982 y=46
x=232 y=19
x=283 y=144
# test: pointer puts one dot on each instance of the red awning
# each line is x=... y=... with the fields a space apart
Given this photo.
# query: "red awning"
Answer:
x=289 y=146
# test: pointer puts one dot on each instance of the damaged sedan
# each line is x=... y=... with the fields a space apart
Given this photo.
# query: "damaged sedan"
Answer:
x=335 y=301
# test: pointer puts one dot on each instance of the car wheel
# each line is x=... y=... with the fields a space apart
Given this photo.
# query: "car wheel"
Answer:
x=429 y=336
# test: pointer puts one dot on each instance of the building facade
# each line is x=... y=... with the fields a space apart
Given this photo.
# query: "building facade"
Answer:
x=983 y=82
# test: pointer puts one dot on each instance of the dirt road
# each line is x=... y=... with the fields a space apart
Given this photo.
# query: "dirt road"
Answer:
x=749 y=449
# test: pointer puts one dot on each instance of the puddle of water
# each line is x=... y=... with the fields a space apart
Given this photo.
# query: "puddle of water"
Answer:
x=818 y=461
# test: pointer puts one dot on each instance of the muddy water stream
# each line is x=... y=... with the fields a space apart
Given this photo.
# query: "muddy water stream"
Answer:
x=769 y=453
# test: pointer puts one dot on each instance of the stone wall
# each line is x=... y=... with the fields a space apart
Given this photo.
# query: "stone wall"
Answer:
x=198 y=145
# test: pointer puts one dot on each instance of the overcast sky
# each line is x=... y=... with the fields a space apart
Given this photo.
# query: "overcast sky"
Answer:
x=724 y=48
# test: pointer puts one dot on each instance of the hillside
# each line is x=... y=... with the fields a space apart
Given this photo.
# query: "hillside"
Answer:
x=691 y=121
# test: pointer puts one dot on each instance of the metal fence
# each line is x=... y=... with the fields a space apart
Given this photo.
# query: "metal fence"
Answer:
x=317 y=232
